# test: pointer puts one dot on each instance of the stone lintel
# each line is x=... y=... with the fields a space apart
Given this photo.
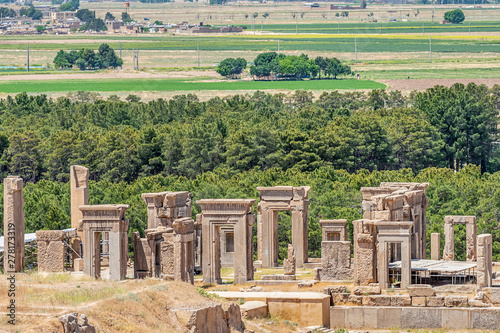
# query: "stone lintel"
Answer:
x=226 y=206
x=183 y=225
x=459 y=219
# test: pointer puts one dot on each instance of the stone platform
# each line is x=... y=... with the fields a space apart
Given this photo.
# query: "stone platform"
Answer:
x=304 y=308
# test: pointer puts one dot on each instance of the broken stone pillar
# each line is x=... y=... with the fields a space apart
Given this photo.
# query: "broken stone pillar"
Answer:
x=96 y=220
x=335 y=261
x=142 y=256
x=484 y=260
x=50 y=250
x=289 y=263
x=449 y=239
x=71 y=323
x=13 y=224
x=198 y=244
x=79 y=182
x=334 y=230
x=184 y=250
x=365 y=259
x=435 y=246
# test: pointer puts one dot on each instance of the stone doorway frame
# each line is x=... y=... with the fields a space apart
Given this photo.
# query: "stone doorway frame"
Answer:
x=449 y=236
x=217 y=213
x=272 y=200
x=96 y=220
x=390 y=232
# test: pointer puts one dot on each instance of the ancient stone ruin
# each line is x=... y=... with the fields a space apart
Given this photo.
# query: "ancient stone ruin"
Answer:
x=484 y=261
x=96 y=220
x=53 y=246
x=169 y=246
x=71 y=323
x=79 y=182
x=272 y=200
x=13 y=224
x=335 y=252
x=217 y=213
x=449 y=236
x=289 y=264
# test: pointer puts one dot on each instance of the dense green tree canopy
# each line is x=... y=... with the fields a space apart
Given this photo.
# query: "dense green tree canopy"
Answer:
x=88 y=59
x=231 y=67
x=454 y=16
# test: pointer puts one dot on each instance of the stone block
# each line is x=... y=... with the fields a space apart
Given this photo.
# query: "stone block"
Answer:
x=420 y=318
x=78 y=264
x=421 y=290
x=337 y=317
x=435 y=301
x=418 y=301
x=485 y=319
x=279 y=277
x=475 y=303
x=455 y=301
x=233 y=317
x=493 y=295
x=366 y=290
x=355 y=300
x=388 y=318
x=361 y=317
x=50 y=235
x=400 y=300
x=306 y=283
x=335 y=290
x=455 y=319
x=377 y=300
x=254 y=309
x=340 y=299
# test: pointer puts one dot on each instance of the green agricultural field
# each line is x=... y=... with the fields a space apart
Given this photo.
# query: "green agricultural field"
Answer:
x=107 y=85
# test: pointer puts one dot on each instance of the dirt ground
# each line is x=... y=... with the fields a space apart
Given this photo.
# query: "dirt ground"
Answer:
x=422 y=84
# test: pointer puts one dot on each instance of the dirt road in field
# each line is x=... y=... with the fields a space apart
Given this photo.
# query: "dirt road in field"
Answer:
x=422 y=84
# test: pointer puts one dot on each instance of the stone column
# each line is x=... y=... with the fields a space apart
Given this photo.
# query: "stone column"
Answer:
x=211 y=252
x=471 y=237
x=449 y=240
x=405 y=264
x=117 y=255
x=484 y=260
x=382 y=265
x=92 y=254
x=184 y=250
x=13 y=224
x=79 y=180
x=300 y=232
x=198 y=243
x=269 y=234
x=435 y=246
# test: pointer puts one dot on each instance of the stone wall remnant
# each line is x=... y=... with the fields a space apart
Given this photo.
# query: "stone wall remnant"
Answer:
x=50 y=250
x=335 y=261
x=334 y=230
x=165 y=207
x=13 y=224
x=272 y=200
x=365 y=259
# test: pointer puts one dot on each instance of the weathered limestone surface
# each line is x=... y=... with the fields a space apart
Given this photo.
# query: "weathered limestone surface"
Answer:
x=184 y=249
x=71 y=323
x=213 y=318
x=484 y=260
x=365 y=260
x=400 y=300
x=421 y=290
x=334 y=230
x=335 y=261
x=435 y=246
x=13 y=224
x=165 y=207
x=449 y=240
x=50 y=250
x=377 y=300
x=220 y=212
x=96 y=220
x=254 y=309
x=435 y=301
x=272 y=200
x=453 y=301
x=366 y=290
x=79 y=181
x=289 y=263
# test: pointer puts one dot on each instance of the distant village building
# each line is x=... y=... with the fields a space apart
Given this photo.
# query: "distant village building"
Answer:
x=61 y=17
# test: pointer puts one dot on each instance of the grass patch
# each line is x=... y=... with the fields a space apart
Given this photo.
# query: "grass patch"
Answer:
x=77 y=295
x=179 y=85
x=432 y=73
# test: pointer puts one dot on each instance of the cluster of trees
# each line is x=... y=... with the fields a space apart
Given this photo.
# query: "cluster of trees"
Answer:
x=272 y=65
x=90 y=21
x=30 y=11
x=455 y=16
x=225 y=148
x=7 y=12
x=88 y=59
x=71 y=5
x=231 y=67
